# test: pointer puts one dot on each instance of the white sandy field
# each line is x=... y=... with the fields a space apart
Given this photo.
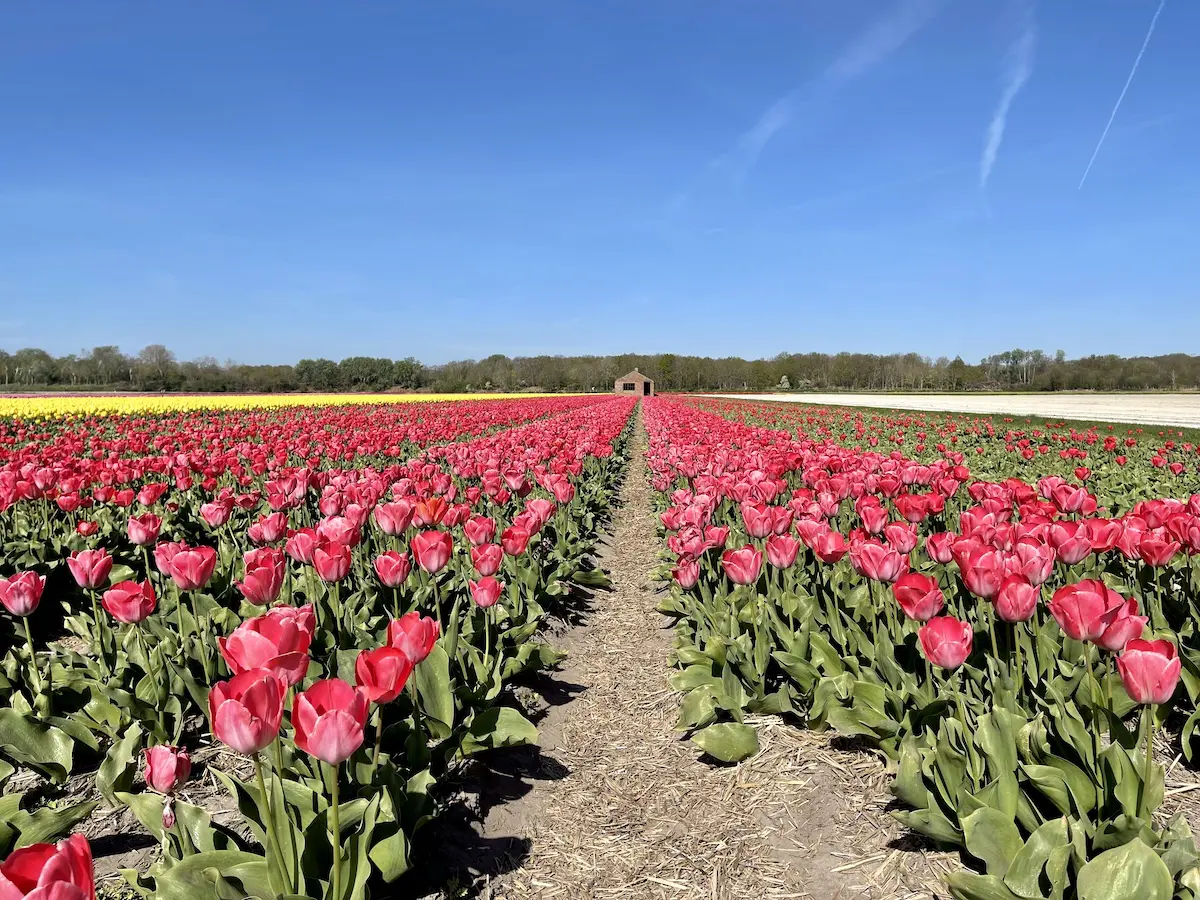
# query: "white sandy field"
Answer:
x=1182 y=410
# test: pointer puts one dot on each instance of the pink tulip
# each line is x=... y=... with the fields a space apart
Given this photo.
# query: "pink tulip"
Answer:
x=918 y=595
x=329 y=719
x=246 y=711
x=946 y=641
x=90 y=568
x=1149 y=671
x=21 y=593
x=415 y=635
x=1017 y=599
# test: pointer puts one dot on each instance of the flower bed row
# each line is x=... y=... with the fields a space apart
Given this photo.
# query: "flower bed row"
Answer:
x=993 y=637
x=350 y=630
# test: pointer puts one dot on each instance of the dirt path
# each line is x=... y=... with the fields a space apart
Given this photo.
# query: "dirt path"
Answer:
x=623 y=808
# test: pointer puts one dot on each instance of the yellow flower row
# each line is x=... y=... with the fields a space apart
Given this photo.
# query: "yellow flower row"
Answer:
x=44 y=407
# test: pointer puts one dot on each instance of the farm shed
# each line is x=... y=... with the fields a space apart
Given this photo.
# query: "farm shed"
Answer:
x=634 y=383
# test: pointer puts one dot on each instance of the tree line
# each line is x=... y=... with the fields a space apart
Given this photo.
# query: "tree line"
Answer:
x=156 y=368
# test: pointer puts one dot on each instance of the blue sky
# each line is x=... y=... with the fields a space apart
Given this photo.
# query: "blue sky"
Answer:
x=267 y=181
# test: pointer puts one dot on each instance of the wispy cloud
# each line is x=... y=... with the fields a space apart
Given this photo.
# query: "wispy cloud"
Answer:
x=1018 y=69
x=869 y=49
x=1128 y=81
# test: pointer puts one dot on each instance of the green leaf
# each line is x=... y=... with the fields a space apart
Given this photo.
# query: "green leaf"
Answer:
x=970 y=886
x=728 y=742
x=119 y=768
x=215 y=875
x=48 y=824
x=500 y=726
x=41 y=747
x=390 y=856
x=697 y=709
x=1024 y=875
x=992 y=837
x=1129 y=872
x=432 y=678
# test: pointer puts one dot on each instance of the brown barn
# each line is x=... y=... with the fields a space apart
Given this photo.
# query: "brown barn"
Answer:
x=634 y=383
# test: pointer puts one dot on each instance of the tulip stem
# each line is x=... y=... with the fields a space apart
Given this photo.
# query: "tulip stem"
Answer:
x=487 y=638
x=179 y=620
x=335 y=832
x=101 y=640
x=1019 y=683
x=378 y=740
x=37 y=675
x=1147 y=763
x=1093 y=689
x=274 y=848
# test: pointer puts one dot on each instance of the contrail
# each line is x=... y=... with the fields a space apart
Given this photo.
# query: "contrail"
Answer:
x=1128 y=81
x=1020 y=67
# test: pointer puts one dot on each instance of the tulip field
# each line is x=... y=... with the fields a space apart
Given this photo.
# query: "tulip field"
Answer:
x=1006 y=611
x=338 y=593
x=340 y=596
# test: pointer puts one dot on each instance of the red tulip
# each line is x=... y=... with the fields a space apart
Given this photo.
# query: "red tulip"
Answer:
x=1035 y=558
x=919 y=596
x=263 y=580
x=983 y=572
x=164 y=553
x=415 y=635
x=758 y=519
x=394 y=518
x=687 y=572
x=1155 y=550
x=143 y=530
x=432 y=550
x=782 y=550
x=940 y=546
x=829 y=546
x=430 y=511
x=167 y=768
x=479 y=530
x=382 y=673
x=487 y=558
x=191 y=569
x=486 y=591
x=87 y=527
x=742 y=566
x=1085 y=610
x=1149 y=671
x=329 y=719
x=1017 y=599
x=392 y=568
x=129 y=601
x=514 y=540
x=21 y=594
x=90 y=568
x=946 y=641
x=246 y=711
x=301 y=545
x=1125 y=626
x=216 y=513
x=332 y=560
x=268 y=529
x=901 y=537
x=276 y=641
x=1072 y=541
x=61 y=871
x=877 y=562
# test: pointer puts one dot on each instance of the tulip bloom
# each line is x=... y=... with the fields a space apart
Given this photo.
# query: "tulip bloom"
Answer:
x=901 y=537
x=1149 y=671
x=1126 y=625
x=301 y=544
x=940 y=546
x=432 y=550
x=277 y=641
x=382 y=673
x=415 y=635
x=781 y=550
x=1016 y=600
x=143 y=530
x=90 y=568
x=829 y=546
x=1085 y=610
x=514 y=540
x=216 y=513
x=742 y=566
x=246 y=710
x=487 y=558
x=264 y=575
x=919 y=596
x=331 y=560
x=946 y=641
x=191 y=569
x=394 y=518
x=166 y=551
x=687 y=572
x=392 y=568
x=167 y=768
x=877 y=562
x=329 y=719
x=21 y=593
x=61 y=871
x=486 y=591
x=479 y=530
x=1072 y=541
x=129 y=601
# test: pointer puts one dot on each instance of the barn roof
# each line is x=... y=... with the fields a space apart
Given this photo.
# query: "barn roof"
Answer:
x=634 y=376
